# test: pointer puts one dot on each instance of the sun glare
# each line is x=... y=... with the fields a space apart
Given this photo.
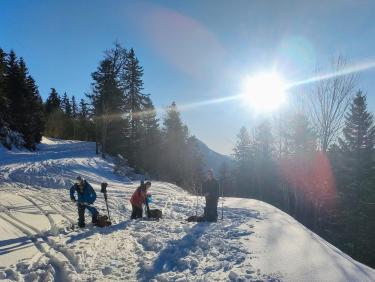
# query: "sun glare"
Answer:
x=264 y=92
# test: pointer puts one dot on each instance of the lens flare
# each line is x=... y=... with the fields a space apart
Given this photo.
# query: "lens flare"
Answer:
x=345 y=71
x=264 y=92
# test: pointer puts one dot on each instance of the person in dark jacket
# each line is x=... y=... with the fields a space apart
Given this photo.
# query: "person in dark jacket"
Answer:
x=138 y=199
x=86 y=196
x=211 y=191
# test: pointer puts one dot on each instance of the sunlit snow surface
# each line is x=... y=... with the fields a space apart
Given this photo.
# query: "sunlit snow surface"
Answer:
x=254 y=241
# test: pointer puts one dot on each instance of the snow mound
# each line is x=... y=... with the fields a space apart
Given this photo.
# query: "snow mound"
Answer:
x=253 y=242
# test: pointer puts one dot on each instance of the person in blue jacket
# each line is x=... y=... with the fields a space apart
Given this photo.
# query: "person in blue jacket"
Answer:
x=86 y=196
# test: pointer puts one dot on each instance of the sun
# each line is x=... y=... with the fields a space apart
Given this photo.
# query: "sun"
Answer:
x=264 y=92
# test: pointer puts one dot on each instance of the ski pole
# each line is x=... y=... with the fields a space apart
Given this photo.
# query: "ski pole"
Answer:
x=222 y=202
x=196 y=203
x=104 y=191
x=106 y=203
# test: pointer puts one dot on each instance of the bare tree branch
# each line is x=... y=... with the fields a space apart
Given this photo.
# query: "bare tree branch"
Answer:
x=329 y=100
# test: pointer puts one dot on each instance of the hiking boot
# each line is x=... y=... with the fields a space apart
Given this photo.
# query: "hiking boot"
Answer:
x=95 y=220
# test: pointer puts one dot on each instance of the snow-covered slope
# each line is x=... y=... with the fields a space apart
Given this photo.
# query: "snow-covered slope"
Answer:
x=253 y=242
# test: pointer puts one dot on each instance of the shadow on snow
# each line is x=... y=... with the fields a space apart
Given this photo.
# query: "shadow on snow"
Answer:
x=176 y=250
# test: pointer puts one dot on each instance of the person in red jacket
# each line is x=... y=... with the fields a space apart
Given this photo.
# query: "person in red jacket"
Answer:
x=138 y=199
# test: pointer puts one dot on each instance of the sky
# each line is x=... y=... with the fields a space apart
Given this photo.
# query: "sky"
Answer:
x=191 y=51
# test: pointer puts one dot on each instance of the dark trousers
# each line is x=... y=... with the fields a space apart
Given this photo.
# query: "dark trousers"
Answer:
x=210 y=211
x=81 y=214
x=137 y=212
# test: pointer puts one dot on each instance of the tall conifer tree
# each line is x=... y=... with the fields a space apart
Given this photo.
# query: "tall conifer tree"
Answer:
x=357 y=179
x=4 y=107
x=135 y=103
x=53 y=102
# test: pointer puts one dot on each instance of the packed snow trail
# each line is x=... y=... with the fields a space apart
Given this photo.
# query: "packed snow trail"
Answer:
x=254 y=242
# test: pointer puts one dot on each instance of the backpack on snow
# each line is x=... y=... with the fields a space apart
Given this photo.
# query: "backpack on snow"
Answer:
x=102 y=221
x=155 y=213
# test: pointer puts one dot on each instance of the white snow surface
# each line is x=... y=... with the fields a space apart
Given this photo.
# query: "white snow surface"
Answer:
x=254 y=241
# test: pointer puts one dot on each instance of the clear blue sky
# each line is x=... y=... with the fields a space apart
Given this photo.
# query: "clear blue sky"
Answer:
x=191 y=51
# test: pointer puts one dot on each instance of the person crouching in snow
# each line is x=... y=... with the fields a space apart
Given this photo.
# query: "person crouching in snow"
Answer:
x=138 y=199
x=86 y=196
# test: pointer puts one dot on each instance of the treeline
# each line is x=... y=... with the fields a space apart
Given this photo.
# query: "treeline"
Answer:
x=21 y=107
x=323 y=178
x=65 y=119
x=24 y=118
x=126 y=123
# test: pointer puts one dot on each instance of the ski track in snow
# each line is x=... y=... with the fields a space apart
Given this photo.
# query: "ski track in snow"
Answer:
x=252 y=242
x=60 y=260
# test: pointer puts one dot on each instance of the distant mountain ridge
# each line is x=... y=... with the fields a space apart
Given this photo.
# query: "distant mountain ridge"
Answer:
x=213 y=159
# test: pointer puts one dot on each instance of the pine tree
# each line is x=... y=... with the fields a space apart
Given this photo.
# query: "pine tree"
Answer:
x=194 y=164
x=74 y=107
x=302 y=136
x=358 y=141
x=225 y=178
x=264 y=167
x=55 y=117
x=4 y=107
x=53 y=102
x=150 y=140
x=107 y=100
x=356 y=185
x=133 y=84
x=68 y=126
x=83 y=109
x=243 y=150
x=36 y=112
x=357 y=163
x=66 y=107
x=181 y=160
x=263 y=140
x=85 y=128
x=15 y=92
x=135 y=103
x=25 y=104
x=244 y=155
x=175 y=135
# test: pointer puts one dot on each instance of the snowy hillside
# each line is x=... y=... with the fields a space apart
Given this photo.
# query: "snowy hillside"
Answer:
x=254 y=241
